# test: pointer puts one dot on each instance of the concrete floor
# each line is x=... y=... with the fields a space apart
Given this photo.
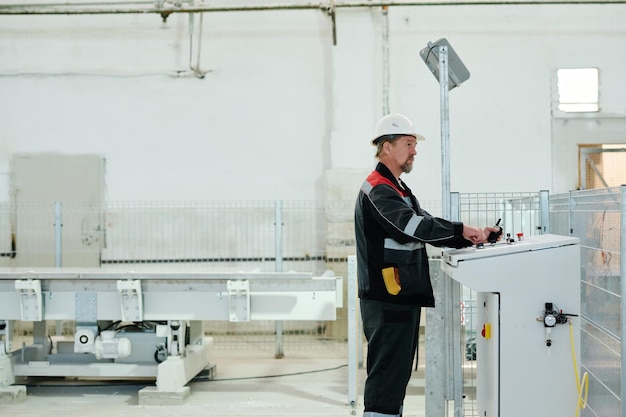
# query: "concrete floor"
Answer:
x=245 y=384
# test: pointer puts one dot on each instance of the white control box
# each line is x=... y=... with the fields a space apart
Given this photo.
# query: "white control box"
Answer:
x=524 y=366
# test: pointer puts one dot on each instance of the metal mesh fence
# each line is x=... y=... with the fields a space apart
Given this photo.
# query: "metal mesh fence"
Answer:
x=213 y=236
x=594 y=216
x=315 y=237
x=519 y=213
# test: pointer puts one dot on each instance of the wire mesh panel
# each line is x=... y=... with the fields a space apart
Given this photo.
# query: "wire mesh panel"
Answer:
x=559 y=214
x=229 y=236
x=519 y=213
x=595 y=218
x=50 y=234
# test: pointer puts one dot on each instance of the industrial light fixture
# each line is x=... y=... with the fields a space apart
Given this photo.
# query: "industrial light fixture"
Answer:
x=457 y=71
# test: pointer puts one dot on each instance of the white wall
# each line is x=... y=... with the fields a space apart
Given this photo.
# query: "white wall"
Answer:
x=284 y=114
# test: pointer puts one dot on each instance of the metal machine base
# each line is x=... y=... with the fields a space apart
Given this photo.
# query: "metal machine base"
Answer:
x=142 y=324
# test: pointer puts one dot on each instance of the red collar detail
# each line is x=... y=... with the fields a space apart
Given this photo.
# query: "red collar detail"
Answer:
x=376 y=178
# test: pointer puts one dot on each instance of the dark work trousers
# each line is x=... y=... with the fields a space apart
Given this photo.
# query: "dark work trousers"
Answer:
x=392 y=332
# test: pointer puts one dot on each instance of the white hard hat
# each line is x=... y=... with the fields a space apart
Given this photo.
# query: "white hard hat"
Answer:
x=394 y=124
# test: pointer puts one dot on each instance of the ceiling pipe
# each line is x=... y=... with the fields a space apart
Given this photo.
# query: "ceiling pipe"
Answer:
x=166 y=10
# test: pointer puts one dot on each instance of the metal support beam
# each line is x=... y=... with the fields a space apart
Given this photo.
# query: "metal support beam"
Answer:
x=166 y=10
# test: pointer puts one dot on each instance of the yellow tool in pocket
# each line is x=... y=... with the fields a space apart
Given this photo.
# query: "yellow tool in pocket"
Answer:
x=391 y=276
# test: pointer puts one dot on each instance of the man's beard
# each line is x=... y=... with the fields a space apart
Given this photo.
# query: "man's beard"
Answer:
x=406 y=167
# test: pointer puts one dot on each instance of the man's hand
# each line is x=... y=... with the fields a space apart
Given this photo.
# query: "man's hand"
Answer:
x=475 y=234
x=489 y=230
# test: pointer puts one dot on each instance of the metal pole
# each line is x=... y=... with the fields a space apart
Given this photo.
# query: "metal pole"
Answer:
x=544 y=209
x=571 y=203
x=278 y=219
x=58 y=250
x=455 y=338
x=453 y=325
x=437 y=381
x=385 y=31
x=58 y=226
x=445 y=131
x=353 y=333
x=440 y=388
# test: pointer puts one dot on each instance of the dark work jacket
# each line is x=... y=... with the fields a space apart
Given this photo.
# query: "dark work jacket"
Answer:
x=391 y=232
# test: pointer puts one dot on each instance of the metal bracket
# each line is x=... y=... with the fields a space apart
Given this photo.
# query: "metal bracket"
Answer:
x=86 y=315
x=238 y=300
x=131 y=299
x=31 y=306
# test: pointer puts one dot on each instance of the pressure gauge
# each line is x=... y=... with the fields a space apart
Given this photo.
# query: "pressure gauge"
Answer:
x=549 y=320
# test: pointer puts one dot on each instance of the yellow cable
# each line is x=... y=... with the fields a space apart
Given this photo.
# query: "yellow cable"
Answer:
x=581 y=402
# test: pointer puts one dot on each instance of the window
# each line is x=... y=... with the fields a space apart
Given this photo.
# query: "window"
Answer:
x=602 y=165
x=578 y=90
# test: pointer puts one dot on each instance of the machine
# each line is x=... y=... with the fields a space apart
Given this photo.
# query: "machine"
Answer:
x=528 y=299
x=143 y=324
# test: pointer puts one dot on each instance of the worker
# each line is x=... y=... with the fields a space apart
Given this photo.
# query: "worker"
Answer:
x=392 y=264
